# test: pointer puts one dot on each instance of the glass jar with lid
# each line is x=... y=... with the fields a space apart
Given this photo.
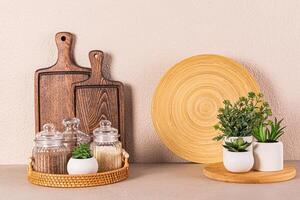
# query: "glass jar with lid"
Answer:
x=49 y=153
x=106 y=147
x=72 y=135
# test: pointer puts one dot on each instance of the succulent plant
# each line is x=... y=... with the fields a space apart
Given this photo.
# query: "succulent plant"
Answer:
x=269 y=133
x=83 y=151
x=237 y=145
x=240 y=118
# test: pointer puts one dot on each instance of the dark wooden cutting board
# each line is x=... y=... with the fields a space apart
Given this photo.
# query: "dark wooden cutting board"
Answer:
x=53 y=85
x=99 y=98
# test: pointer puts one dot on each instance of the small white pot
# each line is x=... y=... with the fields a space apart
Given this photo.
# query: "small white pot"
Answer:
x=82 y=166
x=246 y=139
x=238 y=162
x=268 y=156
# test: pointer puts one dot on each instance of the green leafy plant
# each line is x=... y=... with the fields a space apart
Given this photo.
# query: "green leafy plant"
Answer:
x=240 y=118
x=237 y=145
x=82 y=152
x=269 y=133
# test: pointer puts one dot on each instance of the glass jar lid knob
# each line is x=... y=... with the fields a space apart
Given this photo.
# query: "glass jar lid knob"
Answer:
x=71 y=123
x=48 y=128
x=105 y=124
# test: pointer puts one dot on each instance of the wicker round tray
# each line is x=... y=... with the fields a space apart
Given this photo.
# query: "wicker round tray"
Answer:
x=85 y=180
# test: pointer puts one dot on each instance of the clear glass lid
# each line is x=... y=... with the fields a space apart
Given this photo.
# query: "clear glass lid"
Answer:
x=105 y=133
x=48 y=136
x=72 y=131
x=71 y=128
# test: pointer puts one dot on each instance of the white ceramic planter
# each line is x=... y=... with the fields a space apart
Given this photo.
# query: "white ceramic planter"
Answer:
x=82 y=166
x=238 y=162
x=268 y=156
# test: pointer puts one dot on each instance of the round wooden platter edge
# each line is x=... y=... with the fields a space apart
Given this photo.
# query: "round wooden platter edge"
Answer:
x=216 y=171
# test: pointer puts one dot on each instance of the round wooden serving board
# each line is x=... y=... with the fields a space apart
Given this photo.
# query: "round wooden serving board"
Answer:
x=186 y=102
x=217 y=172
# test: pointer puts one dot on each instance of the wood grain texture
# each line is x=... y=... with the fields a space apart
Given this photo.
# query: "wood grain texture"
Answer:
x=53 y=85
x=186 y=102
x=218 y=172
x=99 y=98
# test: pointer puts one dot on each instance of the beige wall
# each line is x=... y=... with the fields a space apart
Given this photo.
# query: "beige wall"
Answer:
x=144 y=40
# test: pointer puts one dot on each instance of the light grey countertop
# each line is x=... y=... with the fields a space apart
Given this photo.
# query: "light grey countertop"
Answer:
x=149 y=181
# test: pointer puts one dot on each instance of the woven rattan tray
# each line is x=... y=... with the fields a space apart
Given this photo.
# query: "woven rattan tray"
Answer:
x=73 y=181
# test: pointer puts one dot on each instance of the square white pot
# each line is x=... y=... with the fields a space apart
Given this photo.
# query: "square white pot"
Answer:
x=268 y=156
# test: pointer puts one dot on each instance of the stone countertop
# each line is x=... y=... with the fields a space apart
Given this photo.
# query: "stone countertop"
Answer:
x=149 y=181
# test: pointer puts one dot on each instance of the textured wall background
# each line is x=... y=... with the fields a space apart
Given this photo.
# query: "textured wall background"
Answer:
x=143 y=39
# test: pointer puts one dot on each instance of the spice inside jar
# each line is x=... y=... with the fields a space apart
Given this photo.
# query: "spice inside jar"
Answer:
x=49 y=153
x=107 y=149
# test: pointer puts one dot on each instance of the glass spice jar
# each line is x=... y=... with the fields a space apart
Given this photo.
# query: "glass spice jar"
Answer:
x=49 y=153
x=106 y=147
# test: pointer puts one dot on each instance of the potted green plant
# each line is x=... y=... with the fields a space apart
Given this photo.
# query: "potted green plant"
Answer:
x=268 y=151
x=82 y=161
x=236 y=157
x=239 y=119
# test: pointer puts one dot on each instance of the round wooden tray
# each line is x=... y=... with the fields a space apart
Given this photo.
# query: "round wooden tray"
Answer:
x=74 y=181
x=217 y=172
x=186 y=102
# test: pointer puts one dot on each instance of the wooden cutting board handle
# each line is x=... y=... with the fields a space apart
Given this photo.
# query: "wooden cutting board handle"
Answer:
x=97 y=77
x=64 y=42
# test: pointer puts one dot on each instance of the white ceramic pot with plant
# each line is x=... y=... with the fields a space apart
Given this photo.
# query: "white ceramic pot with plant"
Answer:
x=236 y=157
x=238 y=119
x=82 y=161
x=268 y=151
